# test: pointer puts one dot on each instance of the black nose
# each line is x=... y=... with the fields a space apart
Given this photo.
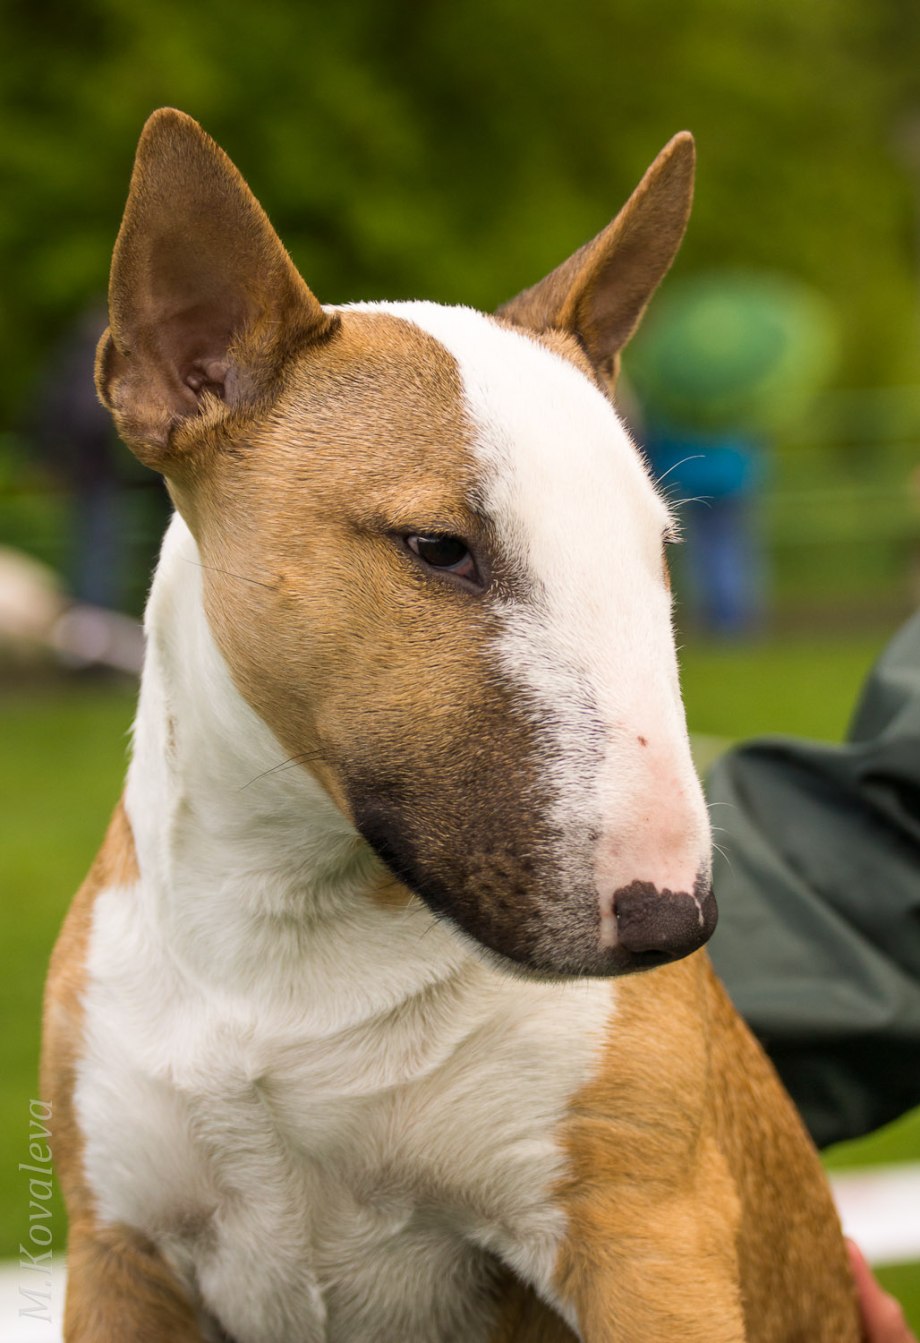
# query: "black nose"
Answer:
x=668 y=923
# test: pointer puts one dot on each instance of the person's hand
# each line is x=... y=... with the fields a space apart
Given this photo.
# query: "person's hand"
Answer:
x=882 y=1317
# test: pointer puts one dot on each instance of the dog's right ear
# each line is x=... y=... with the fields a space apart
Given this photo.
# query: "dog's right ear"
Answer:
x=205 y=304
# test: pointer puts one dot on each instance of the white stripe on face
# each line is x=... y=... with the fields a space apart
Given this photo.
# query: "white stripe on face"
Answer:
x=591 y=645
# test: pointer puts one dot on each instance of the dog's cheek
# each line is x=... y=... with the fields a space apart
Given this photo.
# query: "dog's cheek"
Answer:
x=468 y=859
x=461 y=813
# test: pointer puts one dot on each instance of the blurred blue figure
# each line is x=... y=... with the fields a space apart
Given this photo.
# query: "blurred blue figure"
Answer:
x=725 y=363
x=718 y=476
x=117 y=508
x=74 y=433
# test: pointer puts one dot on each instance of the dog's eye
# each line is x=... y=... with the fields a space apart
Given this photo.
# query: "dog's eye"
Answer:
x=447 y=553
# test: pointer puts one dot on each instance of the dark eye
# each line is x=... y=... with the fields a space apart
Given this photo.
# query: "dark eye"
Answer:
x=447 y=553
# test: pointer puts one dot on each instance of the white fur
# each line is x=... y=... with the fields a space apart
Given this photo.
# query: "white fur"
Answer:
x=592 y=649
x=330 y=1117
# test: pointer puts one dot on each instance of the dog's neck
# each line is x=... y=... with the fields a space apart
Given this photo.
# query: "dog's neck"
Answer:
x=257 y=881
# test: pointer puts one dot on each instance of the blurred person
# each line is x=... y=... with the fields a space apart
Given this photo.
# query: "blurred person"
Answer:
x=818 y=943
x=715 y=479
x=711 y=481
x=725 y=362
x=75 y=435
x=818 y=887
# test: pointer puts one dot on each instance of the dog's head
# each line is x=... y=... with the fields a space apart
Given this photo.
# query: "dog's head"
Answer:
x=433 y=559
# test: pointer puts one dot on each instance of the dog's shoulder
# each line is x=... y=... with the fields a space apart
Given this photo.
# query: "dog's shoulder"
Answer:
x=114 y=867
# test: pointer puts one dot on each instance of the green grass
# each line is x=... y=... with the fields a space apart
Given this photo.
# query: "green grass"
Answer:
x=63 y=755
x=61 y=765
x=805 y=687
x=895 y=1142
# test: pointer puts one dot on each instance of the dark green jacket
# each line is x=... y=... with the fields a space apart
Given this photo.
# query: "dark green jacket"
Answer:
x=819 y=903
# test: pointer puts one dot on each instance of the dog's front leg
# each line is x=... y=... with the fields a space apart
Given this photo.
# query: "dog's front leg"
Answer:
x=649 y=1303
x=121 y=1290
x=662 y=1274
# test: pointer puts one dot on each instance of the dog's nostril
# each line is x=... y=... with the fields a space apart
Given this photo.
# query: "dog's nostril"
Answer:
x=671 y=923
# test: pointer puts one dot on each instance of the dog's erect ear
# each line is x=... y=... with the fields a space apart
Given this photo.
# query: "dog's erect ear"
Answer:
x=205 y=304
x=601 y=292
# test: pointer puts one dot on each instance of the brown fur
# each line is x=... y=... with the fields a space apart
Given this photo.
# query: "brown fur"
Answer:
x=795 y=1277
x=179 y=333
x=695 y=1185
x=324 y=663
x=524 y=1318
x=119 y=1287
x=696 y=1206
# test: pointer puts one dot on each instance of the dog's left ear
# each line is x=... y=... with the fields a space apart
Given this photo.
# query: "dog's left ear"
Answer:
x=600 y=294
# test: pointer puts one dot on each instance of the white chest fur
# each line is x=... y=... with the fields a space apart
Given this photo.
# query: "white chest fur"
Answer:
x=332 y=1116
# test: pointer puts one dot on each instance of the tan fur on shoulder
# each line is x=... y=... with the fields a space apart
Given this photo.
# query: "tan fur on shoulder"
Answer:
x=795 y=1276
x=691 y=1174
x=119 y=1287
x=648 y=1189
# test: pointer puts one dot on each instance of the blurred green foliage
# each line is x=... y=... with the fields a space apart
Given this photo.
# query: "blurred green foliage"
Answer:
x=459 y=150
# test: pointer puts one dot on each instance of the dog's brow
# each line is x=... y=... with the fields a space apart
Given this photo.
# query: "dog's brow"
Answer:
x=440 y=517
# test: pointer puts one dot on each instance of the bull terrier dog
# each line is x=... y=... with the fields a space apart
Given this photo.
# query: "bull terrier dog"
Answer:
x=341 y=1033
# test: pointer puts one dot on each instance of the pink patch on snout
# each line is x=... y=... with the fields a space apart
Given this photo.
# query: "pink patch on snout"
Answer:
x=679 y=872
x=659 y=839
x=672 y=860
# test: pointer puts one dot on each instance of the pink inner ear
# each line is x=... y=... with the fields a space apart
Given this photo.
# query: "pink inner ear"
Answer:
x=195 y=304
x=209 y=378
x=197 y=272
x=193 y=345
